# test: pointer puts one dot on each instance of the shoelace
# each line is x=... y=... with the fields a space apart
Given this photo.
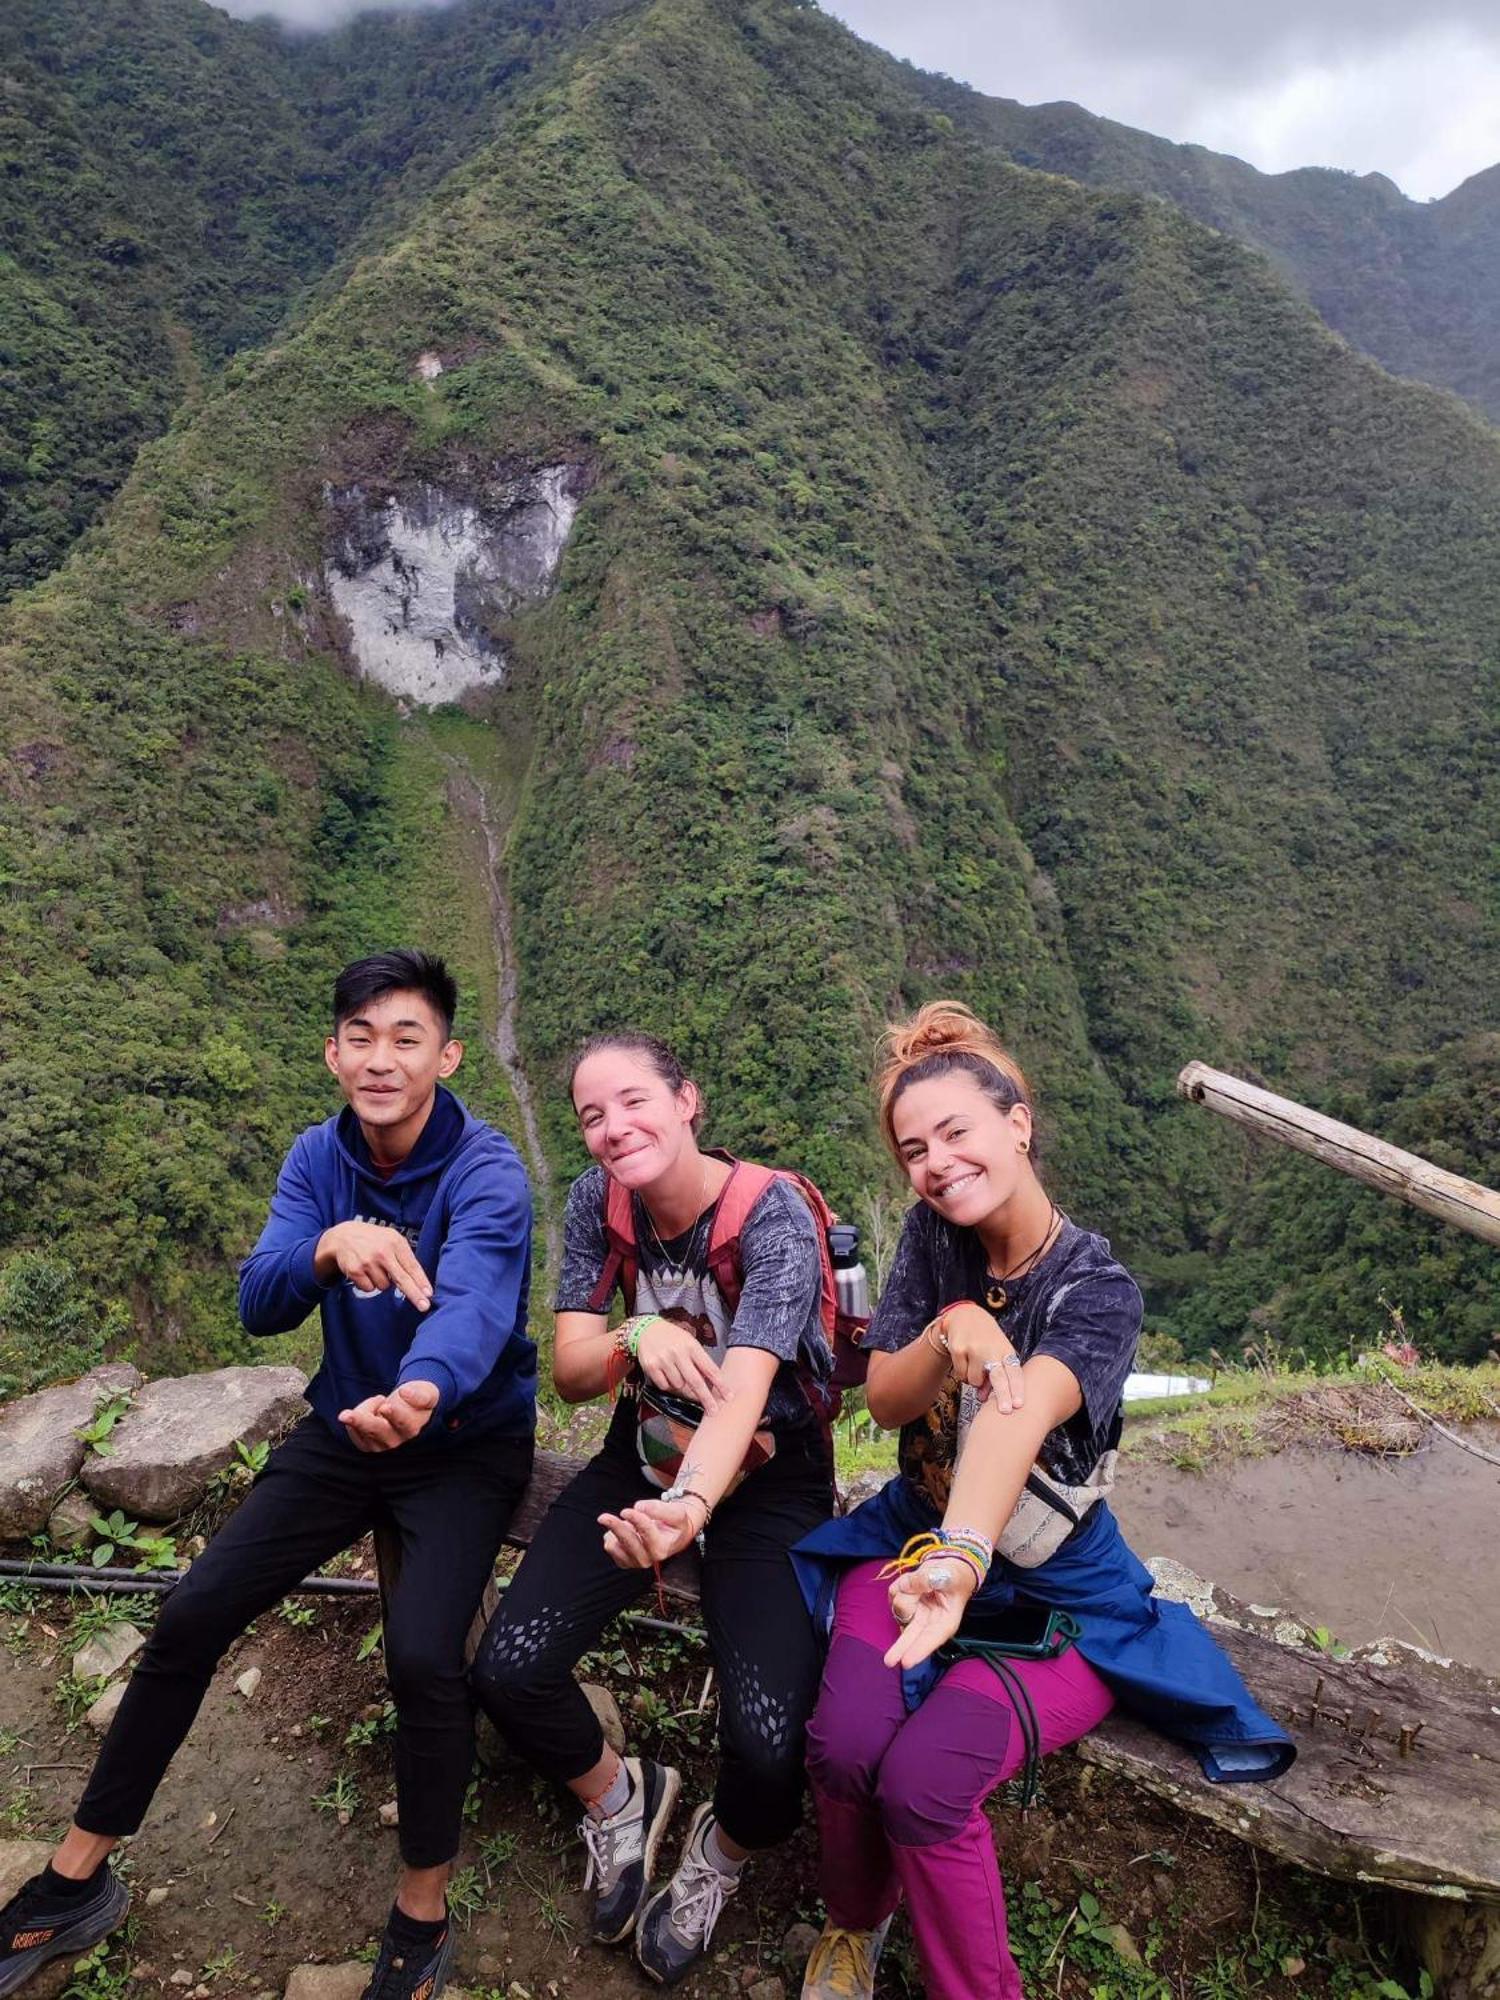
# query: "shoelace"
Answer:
x=842 y=1963
x=699 y=1893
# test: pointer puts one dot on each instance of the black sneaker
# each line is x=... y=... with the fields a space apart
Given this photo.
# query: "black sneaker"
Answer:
x=622 y=1850
x=418 y=1975
x=36 y=1927
x=677 y=1924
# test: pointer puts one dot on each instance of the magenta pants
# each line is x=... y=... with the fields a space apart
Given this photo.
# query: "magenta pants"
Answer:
x=900 y=1798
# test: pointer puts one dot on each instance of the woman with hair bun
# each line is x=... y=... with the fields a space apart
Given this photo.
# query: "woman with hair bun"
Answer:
x=983 y=1607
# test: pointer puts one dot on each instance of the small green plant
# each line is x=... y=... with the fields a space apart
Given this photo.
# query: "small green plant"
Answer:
x=341 y=1799
x=316 y=1724
x=95 y=1433
x=466 y=1895
x=10 y=1742
x=1325 y=1642
x=99 y=1974
x=20 y=1600
x=370 y=1642
x=302 y=1616
x=76 y=1694
x=252 y=1456
x=221 y=1964
x=496 y=1851
x=360 y=1735
x=272 y=1914
x=102 y=1612
x=115 y=1533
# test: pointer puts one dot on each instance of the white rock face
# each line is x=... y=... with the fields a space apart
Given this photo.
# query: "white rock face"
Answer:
x=422 y=577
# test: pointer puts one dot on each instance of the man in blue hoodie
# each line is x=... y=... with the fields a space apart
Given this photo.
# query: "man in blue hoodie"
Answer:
x=407 y=1223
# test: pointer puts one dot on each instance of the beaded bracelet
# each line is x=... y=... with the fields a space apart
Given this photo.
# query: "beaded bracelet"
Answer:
x=968 y=1545
x=690 y=1493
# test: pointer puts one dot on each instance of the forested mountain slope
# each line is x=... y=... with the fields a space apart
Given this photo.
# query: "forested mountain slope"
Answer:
x=981 y=585
x=172 y=182
x=1415 y=284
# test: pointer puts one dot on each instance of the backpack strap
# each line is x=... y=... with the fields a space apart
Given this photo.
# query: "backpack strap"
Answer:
x=622 y=1259
x=746 y=1184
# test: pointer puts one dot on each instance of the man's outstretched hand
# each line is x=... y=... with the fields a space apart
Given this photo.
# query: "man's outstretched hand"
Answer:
x=381 y=1423
x=374 y=1257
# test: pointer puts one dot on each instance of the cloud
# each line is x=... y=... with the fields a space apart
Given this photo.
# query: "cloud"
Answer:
x=321 y=14
x=1362 y=84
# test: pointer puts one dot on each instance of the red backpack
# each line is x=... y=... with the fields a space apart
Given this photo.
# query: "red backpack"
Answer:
x=744 y=1188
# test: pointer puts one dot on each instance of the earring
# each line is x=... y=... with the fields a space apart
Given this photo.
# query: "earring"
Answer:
x=1024 y=1147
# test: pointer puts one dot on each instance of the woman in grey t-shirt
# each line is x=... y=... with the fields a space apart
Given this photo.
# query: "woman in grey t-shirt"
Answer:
x=715 y=1438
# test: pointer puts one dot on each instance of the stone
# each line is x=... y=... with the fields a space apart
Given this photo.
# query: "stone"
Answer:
x=182 y=1977
x=107 y=1652
x=40 y=1451
x=1120 y=1940
x=248 y=1682
x=156 y=1897
x=341 y=1982
x=797 y=1945
x=390 y=1813
x=70 y=1524
x=182 y=1430
x=421 y=577
x=863 y=1486
x=102 y=1714
x=607 y=1710
x=767 y=1989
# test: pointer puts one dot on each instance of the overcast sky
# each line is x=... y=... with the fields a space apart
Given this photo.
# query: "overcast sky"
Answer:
x=1365 y=84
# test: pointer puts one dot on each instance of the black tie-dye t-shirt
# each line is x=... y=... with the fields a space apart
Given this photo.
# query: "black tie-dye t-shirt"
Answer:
x=1079 y=1305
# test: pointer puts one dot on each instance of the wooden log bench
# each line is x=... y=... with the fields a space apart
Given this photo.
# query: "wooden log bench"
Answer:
x=1397 y=1778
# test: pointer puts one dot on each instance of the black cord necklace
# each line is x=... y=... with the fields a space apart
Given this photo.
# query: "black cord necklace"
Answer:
x=996 y=1294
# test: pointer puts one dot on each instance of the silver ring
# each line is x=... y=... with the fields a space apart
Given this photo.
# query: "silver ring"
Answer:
x=1010 y=1361
x=939 y=1577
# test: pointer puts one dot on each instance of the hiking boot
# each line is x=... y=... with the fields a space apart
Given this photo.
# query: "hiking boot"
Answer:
x=678 y=1922
x=622 y=1849
x=410 y=1975
x=36 y=1926
x=842 y=1965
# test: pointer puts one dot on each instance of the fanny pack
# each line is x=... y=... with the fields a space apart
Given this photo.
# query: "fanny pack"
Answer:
x=664 y=1438
x=1049 y=1512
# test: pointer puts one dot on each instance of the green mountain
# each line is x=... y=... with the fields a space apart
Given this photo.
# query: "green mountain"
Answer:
x=1415 y=284
x=965 y=582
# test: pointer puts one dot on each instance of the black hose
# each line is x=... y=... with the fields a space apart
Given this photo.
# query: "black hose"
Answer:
x=82 y=1576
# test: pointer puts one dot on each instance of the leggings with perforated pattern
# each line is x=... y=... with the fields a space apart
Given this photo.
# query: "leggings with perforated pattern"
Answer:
x=765 y=1653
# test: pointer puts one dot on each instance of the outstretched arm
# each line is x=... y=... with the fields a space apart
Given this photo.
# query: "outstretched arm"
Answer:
x=999 y=1451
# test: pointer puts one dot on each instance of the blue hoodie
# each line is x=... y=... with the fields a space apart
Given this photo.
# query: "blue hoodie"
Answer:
x=462 y=1201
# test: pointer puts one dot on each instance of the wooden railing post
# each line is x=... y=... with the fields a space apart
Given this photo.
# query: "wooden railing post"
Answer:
x=1407 y=1176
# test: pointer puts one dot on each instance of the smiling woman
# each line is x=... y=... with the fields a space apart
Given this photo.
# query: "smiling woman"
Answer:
x=983 y=1606
x=715 y=1437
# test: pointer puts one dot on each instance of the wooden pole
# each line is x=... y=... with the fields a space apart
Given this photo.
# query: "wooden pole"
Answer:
x=1405 y=1175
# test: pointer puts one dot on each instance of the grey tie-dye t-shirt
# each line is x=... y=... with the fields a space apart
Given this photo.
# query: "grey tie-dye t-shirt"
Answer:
x=779 y=1303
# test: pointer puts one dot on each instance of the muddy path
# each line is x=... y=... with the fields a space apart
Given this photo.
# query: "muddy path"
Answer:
x=472 y=798
x=1368 y=1547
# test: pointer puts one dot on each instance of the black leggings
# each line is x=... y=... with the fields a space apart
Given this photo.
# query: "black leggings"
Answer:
x=450 y=1503
x=761 y=1637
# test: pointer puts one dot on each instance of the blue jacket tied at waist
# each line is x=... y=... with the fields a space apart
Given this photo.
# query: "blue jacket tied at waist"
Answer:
x=1159 y=1660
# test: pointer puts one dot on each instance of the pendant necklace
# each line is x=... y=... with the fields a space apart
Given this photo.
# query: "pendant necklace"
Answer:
x=673 y=1273
x=996 y=1296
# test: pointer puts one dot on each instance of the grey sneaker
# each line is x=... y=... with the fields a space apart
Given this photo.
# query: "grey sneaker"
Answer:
x=678 y=1922
x=842 y=1965
x=36 y=1927
x=622 y=1850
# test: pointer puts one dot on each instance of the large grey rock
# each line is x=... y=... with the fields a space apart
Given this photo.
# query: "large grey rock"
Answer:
x=40 y=1450
x=607 y=1710
x=107 y=1652
x=20 y=1859
x=182 y=1430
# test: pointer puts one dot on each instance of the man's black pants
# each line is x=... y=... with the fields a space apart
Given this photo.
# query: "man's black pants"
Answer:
x=450 y=1502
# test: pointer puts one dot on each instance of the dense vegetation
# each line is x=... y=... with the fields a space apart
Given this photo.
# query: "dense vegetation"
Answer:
x=987 y=586
x=1416 y=284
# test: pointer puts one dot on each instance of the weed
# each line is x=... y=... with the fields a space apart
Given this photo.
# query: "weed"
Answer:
x=272 y=1914
x=341 y=1798
x=360 y=1735
x=115 y=1532
x=221 y=1964
x=370 y=1642
x=496 y=1850
x=252 y=1456
x=95 y=1433
x=76 y=1694
x=21 y=1600
x=554 y=1919
x=10 y=1742
x=316 y=1724
x=466 y=1895
x=300 y=1615
x=103 y=1612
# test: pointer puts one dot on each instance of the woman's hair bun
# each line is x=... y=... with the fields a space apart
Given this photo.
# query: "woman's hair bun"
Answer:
x=944 y=1035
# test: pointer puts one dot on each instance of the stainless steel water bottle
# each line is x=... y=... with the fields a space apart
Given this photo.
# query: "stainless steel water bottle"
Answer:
x=849 y=1279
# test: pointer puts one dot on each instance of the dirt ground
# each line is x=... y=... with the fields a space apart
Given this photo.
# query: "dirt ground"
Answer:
x=1368 y=1547
x=260 y=1875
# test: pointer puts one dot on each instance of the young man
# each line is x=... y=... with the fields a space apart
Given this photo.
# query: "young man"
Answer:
x=407 y=1223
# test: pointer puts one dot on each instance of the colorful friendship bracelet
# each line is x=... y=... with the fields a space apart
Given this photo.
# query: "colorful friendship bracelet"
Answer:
x=967 y=1544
